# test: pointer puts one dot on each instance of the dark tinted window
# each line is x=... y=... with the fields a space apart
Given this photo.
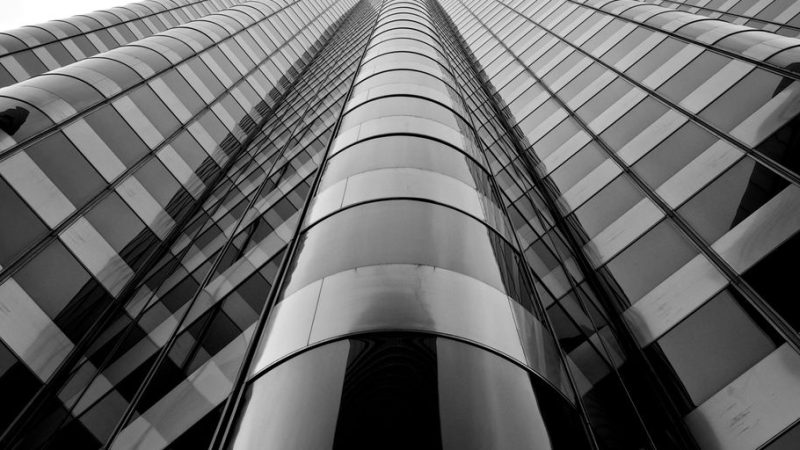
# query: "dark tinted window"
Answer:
x=19 y=226
x=714 y=345
x=67 y=168
x=52 y=278
x=731 y=198
x=117 y=134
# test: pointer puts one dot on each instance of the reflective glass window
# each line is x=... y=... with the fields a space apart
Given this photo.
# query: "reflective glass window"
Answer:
x=510 y=408
x=731 y=198
x=561 y=133
x=404 y=232
x=661 y=53
x=628 y=43
x=650 y=260
x=30 y=62
x=743 y=99
x=204 y=73
x=581 y=81
x=155 y=110
x=183 y=91
x=52 y=278
x=5 y=78
x=608 y=205
x=399 y=106
x=295 y=404
x=189 y=149
x=78 y=94
x=67 y=168
x=633 y=122
x=117 y=134
x=722 y=332
x=774 y=279
x=158 y=181
x=20 y=120
x=601 y=102
x=693 y=75
x=578 y=166
x=673 y=154
x=115 y=221
x=121 y=74
x=19 y=226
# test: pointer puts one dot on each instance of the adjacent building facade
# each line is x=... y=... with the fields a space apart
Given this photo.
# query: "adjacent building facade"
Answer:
x=457 y=224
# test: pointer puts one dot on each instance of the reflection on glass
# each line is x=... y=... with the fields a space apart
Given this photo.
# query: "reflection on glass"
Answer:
x=11 y=119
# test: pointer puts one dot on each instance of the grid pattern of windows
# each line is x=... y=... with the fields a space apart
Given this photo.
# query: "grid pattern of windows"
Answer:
x=781 y=17
x=402 y=224
x=142 y=204
x=658 y=150
x=32 y=50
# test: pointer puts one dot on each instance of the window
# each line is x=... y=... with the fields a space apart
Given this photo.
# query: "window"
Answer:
x=722 y=332
x=19 y=226
x=155 y=110
x=53 y=278
x=774 y=279
x=650 y=260
x=742 y=100
x=601 y=102
x=693 y=75
x=20 y=120
x=673 y=154
x=578 y=166
x=633 y=122
x=117 y=134
x=115 y=221
x=731 y=198
x=67 y=168
x=608 y=205
x=662 y=52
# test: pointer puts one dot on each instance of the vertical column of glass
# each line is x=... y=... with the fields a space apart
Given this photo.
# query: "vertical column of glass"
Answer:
x=404 y=319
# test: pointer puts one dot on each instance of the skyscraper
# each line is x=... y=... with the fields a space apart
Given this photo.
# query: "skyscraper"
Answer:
x=457 y=224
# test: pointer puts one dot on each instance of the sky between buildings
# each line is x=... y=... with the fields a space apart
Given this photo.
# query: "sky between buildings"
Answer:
x=16 y=13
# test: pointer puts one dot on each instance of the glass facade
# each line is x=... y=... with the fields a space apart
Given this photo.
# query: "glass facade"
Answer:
x=455 y=224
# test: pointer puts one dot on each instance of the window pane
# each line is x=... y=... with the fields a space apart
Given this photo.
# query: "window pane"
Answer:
x=20 y=120
x=637 y=270
x=53 y=278
x=117 y=134
x=722 y=332
x=155 y=110
x=578 y=166
x=742 y=100
x=19 y=226
x=633 y=122
x=673 y=154
x=606 y=206
x=774 y=278
x=693 y=75
x=67 y=168
x=731 y=198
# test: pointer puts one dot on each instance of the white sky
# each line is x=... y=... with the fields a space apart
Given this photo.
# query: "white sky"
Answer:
x=16 y=13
